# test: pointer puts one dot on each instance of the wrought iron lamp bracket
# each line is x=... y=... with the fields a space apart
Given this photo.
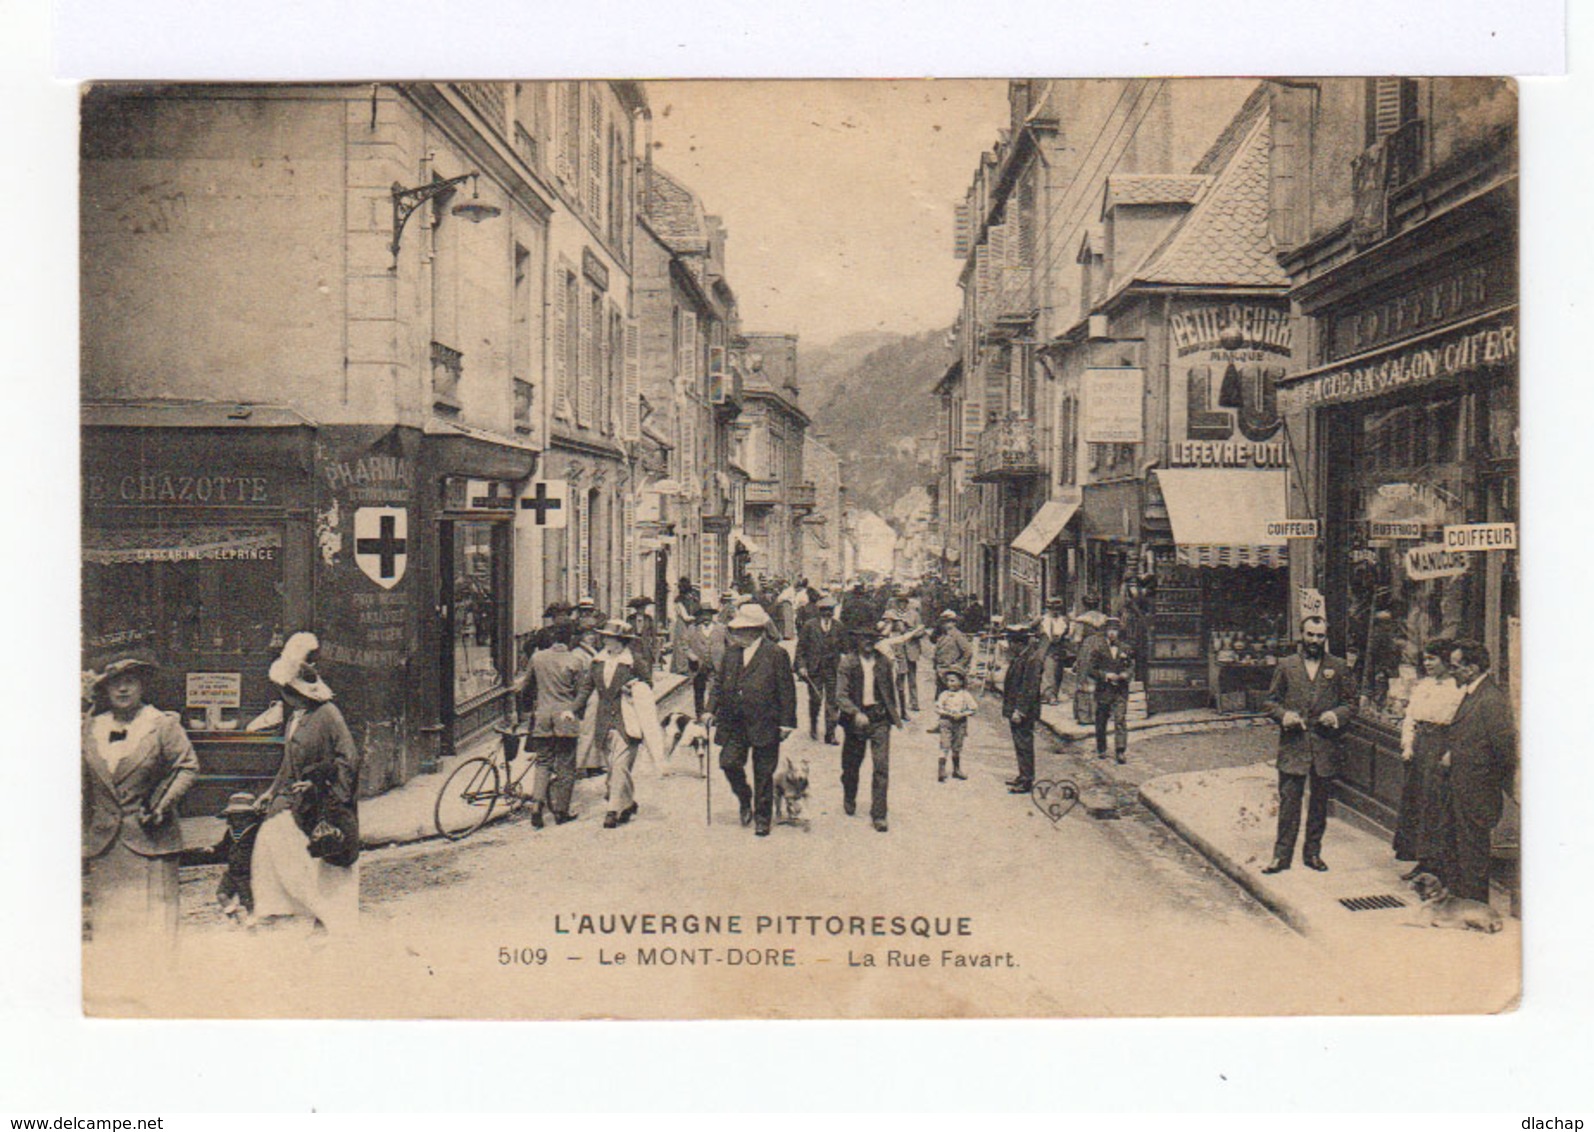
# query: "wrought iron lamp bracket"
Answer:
x=406 y=201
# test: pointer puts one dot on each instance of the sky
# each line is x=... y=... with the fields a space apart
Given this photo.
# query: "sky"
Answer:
x=837 y=195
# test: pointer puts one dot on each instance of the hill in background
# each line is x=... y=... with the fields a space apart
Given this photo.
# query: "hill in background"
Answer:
x=870 y=395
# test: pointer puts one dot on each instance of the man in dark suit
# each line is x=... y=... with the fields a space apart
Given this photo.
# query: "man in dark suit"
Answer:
x=1310 y=699
x=1481 y=758
x=1110 y=669
x=866 y=693
x=753 y=697
x=820 y=642
x=1021 y=701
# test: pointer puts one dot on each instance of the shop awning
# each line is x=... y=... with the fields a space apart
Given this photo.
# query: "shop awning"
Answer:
x=1220 y=516
x=1044 y=528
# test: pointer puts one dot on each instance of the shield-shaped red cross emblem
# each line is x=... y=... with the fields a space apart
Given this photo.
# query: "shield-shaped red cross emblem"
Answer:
x=381 y=543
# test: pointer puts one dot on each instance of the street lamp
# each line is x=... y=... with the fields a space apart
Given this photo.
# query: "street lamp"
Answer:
x=406 y=201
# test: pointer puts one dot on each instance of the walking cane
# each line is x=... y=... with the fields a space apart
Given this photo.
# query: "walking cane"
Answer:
x=708 y=781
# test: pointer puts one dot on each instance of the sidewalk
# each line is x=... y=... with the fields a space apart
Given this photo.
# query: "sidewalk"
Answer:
x=405 y=814
x=1229 y=815
x=1219 y=792
x=1059 y=720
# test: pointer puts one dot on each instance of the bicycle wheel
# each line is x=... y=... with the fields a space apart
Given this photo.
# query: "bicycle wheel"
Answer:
x=467 y=798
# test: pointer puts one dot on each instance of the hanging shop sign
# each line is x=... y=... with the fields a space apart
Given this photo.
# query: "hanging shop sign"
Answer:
x=1025 y=569
x=1491 y=342
x=1311 y=602
x=1113 y=406
x=547 y=502
x=381 y=544
x=1481 y=536
x=1431 y=560
x=1401 y=529
x=1292 y=528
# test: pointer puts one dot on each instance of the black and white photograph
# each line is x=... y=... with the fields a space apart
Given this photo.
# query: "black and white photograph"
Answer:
x=958 y=548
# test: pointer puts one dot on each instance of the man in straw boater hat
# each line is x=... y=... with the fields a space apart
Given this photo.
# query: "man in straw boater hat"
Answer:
x=752 y=699
x=867 y=696
x=1021 y=701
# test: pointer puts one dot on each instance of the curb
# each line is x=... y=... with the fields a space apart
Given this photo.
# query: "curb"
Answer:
x=1239 y=874
x=1148 y=728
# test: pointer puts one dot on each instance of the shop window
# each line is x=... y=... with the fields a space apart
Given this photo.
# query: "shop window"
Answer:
x=479 y=662
x=198 y=598
x=1411 y=480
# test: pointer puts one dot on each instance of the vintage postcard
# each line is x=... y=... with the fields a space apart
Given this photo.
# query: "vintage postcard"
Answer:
x=800 y=549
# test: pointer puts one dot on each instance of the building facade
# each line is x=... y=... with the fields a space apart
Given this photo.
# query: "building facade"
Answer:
x=770 y=435
x=1398 y=228
x=690 y=387
x=1034 y=200
x=822 y=529
x=329 y=332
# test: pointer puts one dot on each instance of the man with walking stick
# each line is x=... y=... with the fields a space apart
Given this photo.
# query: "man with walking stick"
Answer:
x=753 y=701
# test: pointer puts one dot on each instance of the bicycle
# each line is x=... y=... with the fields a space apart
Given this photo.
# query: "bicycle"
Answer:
x=476 y=787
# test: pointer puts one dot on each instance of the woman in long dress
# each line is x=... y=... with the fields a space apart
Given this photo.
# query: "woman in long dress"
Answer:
x=1421 y=832
x=683 y=615
x=137 y=764
x=612 y=670
x=306 y=855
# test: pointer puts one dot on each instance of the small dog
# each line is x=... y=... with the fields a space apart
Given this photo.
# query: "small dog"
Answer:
x=791 y=789
x=1442 y=910
x=681 y=731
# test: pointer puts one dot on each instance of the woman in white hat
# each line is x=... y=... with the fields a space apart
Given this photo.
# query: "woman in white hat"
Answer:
x=306 y=859
x=612 y=669
x=137 y=764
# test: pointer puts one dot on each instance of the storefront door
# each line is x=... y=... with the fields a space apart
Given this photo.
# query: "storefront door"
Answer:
x=473 y=595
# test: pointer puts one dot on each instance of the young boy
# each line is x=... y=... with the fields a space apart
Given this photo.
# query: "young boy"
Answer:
x=954 y=706
x=235 y=893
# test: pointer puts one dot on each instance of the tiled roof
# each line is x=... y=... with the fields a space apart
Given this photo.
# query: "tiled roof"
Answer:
x=1154 y=188
x=675 y=213
x=1225 y=238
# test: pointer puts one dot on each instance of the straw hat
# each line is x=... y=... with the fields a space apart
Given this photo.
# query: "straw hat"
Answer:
x=617 y=629
x=242 y=802
x=138 y=663
x=293 y=668
x=749 y=616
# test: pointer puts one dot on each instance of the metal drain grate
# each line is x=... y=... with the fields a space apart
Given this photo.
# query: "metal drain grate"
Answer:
x=1371 y=903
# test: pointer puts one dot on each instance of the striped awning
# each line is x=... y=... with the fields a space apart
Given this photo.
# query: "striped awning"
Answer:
x=1219 y=516
x=1272 y=557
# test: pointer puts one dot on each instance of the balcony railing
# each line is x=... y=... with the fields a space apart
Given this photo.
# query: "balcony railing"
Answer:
x=762 y=493
x=803 y=495
x=1006 y=450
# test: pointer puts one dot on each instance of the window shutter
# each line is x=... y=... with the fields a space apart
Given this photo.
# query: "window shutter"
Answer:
x=595 y=153
x=709 y=568
x=1385 y=109
x=583 y=548
x=689 y=367
x=628 y=540
x=631 y=428
x=562 y=330
x=584 y=364
x=960 y=231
